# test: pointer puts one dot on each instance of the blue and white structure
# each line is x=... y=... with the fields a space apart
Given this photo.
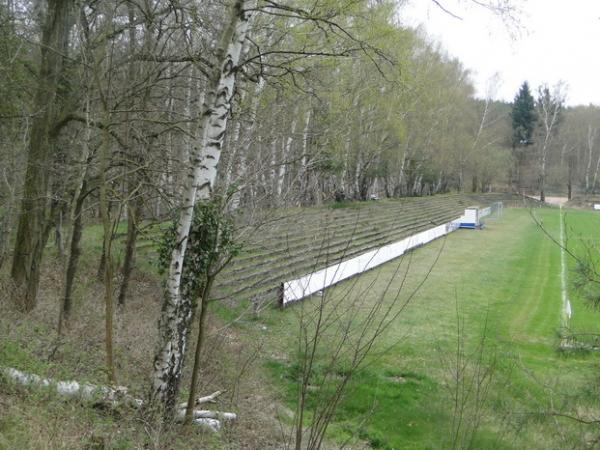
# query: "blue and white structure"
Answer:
x=470 y=219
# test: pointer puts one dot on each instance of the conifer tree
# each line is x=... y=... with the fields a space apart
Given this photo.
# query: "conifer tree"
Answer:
x=524 y=118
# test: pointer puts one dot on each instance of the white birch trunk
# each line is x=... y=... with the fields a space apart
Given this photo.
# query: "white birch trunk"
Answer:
x=590 y=144
x=284 y=158
x=228 y=172
x=273 y=171
x=401 y=174
x=346 y=178
x=438 y=185
x=595 y=181
x=592 y=133
x=417 y=185
x=262 y=171
x=281 y=172
x=550 y=113
x=239 y=170
x=177 y=310
x=304 y=159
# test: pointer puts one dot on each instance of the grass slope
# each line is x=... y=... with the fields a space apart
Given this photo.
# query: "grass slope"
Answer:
x=505 y=278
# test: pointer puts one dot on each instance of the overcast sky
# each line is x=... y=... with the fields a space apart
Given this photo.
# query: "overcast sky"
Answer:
x=560 y=40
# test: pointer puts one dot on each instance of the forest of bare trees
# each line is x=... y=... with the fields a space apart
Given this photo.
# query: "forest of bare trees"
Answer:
x=123 y=112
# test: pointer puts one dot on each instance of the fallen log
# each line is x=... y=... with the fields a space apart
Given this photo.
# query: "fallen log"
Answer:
x=206 y=414
x=84 y=391
x=206 y=399
x=113 y=397
x=208 y=424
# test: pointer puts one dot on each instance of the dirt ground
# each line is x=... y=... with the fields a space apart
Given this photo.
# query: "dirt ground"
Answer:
x=557 y=200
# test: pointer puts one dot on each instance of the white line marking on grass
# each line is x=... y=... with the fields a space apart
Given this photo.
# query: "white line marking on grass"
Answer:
x=566 y=304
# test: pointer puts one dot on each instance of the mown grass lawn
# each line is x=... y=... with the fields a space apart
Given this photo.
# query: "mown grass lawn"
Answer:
x=582 y=235
x=502 y=282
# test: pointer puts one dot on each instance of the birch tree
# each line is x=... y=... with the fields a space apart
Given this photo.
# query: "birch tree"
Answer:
x=549 y=110
x=177 y=310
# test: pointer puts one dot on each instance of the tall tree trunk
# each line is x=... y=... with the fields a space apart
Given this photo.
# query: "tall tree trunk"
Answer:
x=570 y=180
x=7 y=212
x=543 y=177
x=189 y=412
x=177 y=310
x=107 y=226
x=273 y=172
x=239 y=163
x=571 y=166
x=595 y=180
x=76 y=220
x=591 y=135
x=73 y=259
x=58 y=233
x=137 y=150
x=399 y=190
x=4 y=233
x=304 y=172
x=133 y=217
x=130 y=163
x=102 y=262
x=30 y=242
x=285 y=152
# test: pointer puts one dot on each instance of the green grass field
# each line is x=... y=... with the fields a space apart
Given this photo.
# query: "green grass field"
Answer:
x=582 y=230
x=472 y=360
x=504 y=279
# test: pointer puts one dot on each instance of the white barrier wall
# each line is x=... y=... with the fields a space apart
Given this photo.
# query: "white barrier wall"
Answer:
x=303 y=287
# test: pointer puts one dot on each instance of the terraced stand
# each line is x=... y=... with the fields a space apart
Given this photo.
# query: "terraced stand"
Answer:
x=302 y=242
